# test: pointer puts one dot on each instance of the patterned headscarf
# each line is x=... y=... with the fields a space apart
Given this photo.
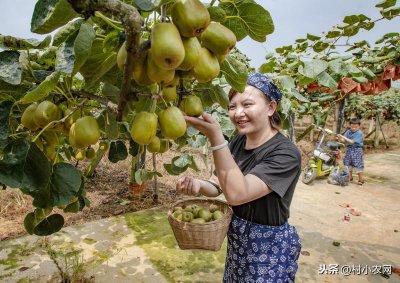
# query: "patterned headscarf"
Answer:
x=265 y=85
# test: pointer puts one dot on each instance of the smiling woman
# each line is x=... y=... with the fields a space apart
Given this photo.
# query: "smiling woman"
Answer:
x=257 y=173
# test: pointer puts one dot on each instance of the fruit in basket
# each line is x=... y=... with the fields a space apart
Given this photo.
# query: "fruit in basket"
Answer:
x=213 y=207
x=197 y=220
x=187 y=216
x=178 y=214
x=205 y=214
x=218 y=214
x=176 y=208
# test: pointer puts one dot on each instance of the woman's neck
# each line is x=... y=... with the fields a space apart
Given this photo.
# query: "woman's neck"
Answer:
x=253 y=141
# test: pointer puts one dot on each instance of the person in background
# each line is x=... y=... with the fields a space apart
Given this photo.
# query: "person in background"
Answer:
x=354 y=153
x=257 y=173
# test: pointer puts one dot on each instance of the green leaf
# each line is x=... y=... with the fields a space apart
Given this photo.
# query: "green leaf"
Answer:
x=369 y=74
x=10 y=42
x=42 y=90
x=5 y=107
x=390 y=13
x=65 y=56
x=82 y=45
x=211 y=94
x=360 y=79
x=98 y=63
x=355 y=19
x=286 y=82
x=133 y=148
x=72 y=207
x=325 y=79
x=112 y=131
x=182 y=161
x=313 y=68
x=111 y=92
x=217 y=14
x=49 y=225
x=235 y=73
x=320 y=46
x=65 y=183
x=29 y=222
x=10 y=68
x=198 y=141
x=313 y=37
x=117 y=151
x=353 y=70
x=267 y=67
x=350 y=30
x=24 y=166
x=333 y=34
x=51 y=14
x=298 y=95
x=386 y=4
x=245 y=17
x=63 y=33
x=147 y=5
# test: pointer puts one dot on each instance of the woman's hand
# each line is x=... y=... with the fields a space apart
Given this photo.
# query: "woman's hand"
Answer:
x=188 y=186
x=208 y=126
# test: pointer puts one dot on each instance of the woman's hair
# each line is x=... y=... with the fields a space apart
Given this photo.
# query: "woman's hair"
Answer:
x=275 y=119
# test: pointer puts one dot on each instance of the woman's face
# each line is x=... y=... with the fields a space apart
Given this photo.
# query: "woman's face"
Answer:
x=250 y=112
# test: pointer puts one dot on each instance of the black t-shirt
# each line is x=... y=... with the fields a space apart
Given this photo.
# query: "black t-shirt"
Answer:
x=277 y=162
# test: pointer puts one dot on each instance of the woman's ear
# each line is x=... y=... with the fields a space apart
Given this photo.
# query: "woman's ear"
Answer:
x=271 y=108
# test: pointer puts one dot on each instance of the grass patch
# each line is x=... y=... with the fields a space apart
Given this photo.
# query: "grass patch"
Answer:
x=154 y=234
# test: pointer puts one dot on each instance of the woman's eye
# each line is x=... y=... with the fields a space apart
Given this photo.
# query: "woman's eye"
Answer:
x=231 y=107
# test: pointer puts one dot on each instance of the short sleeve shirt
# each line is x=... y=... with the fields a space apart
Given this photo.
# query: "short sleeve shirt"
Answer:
x=357 y=137
x=277 y=162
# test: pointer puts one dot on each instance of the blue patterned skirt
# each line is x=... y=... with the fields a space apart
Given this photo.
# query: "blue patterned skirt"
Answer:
x=260 y=253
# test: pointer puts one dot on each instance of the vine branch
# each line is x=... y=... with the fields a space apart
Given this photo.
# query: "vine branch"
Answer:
x=131 y=21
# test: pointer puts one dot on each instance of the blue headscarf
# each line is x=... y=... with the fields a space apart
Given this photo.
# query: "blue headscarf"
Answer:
x=265 y=85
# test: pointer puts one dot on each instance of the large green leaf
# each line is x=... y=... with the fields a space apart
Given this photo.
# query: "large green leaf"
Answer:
x=24 y=166
x=354 y=19
x=313 y=68
x=267 y=67
x=63 y=33
x=65 y=56
x=325 y=79
x=98 y=63
x=65 y=183
x=211 y=94
x=51 y=14
x=338 y=66
x=42 y=90
x=82 y=45
x=390 y=13
x=217 y=14
x=386 y=4
x=117 y=151
x=286 y=82
x=235 y=73
x=298 y=95
x=49 y=225
x=10 y=68
x=5 y=107
x=245 y=17
x=10 y=42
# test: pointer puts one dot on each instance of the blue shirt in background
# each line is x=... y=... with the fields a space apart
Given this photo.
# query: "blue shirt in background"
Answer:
x=357 y=137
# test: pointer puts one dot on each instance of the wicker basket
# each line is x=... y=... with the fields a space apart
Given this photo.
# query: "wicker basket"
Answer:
x=204 y=236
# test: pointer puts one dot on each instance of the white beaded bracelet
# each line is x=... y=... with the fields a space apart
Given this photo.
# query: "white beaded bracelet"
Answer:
x=217 y=147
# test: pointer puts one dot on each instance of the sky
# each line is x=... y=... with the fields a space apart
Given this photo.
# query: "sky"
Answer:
x=293 y=19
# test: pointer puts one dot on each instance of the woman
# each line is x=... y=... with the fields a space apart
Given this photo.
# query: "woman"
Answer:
x=257 y=173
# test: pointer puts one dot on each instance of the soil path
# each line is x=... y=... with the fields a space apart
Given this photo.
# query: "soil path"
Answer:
x=367 y=242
